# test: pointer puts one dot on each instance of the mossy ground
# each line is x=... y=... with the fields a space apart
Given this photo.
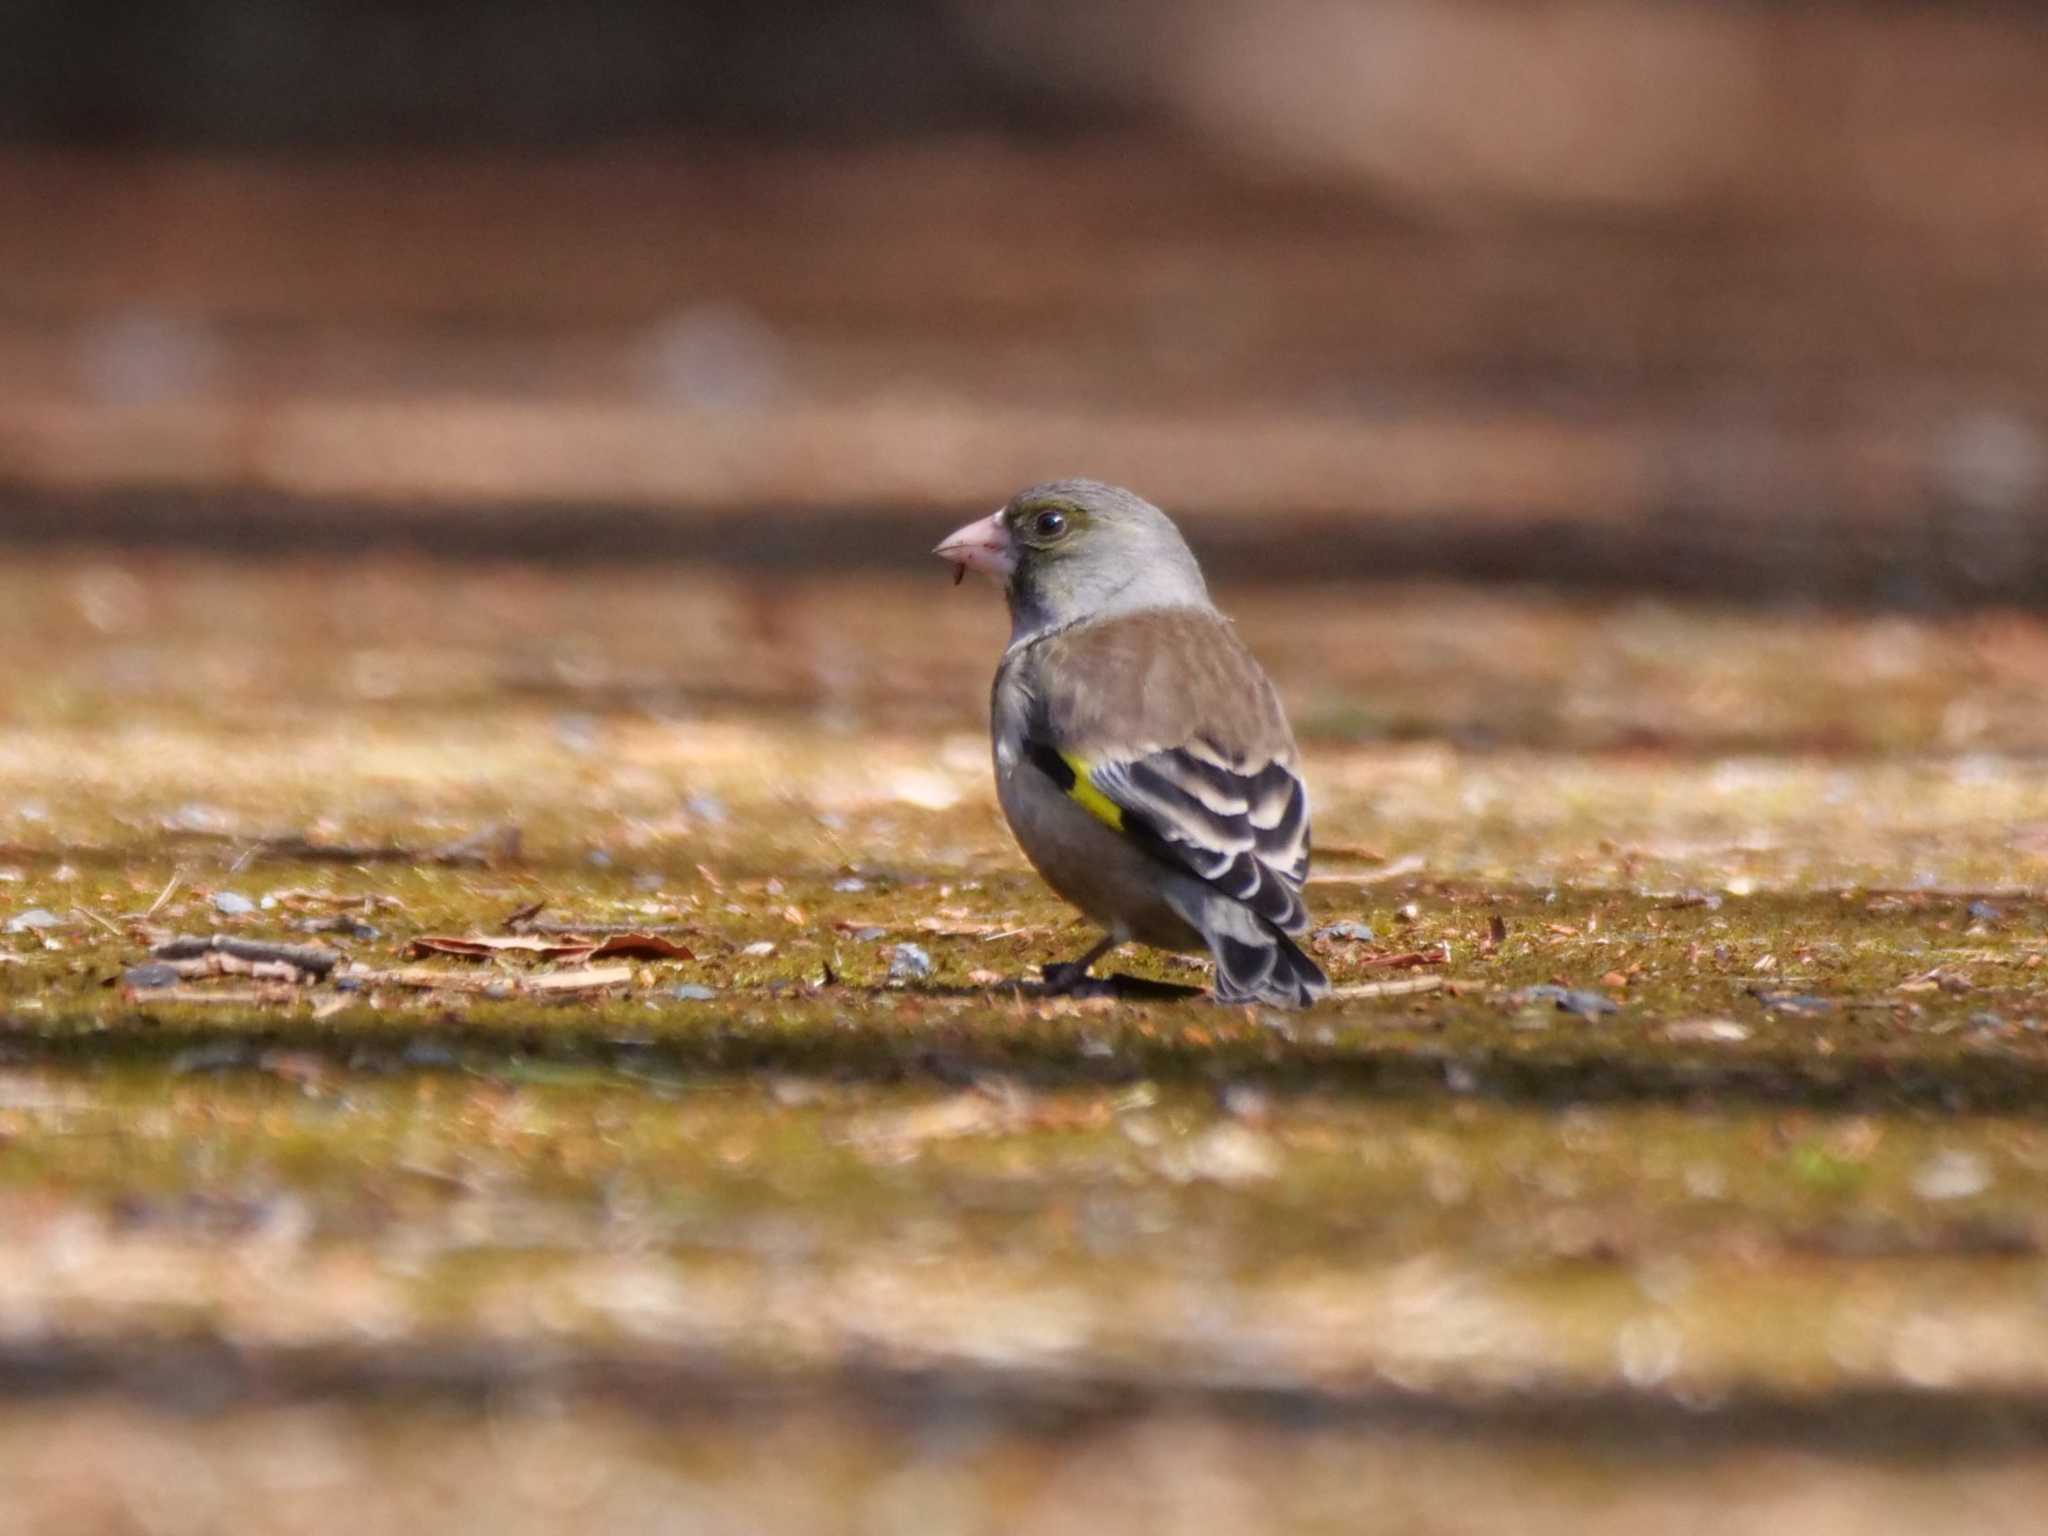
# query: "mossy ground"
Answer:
x=1783 y=1142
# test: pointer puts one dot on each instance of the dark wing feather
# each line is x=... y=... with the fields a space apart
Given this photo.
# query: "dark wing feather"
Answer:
x=1175 y=724
x=1240 y=828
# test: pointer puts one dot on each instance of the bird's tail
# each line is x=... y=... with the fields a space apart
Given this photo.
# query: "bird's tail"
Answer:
x=1255 y=962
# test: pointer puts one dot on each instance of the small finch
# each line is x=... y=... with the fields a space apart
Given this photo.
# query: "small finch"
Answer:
x=1141 y=754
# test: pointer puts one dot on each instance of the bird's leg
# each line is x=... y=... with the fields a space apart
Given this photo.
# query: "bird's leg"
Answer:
x=1070 y=974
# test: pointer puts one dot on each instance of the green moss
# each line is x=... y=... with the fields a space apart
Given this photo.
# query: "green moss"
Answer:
x=1811 y=1116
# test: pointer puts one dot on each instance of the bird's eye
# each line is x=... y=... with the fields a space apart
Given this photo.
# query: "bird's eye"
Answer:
x=1049 y=525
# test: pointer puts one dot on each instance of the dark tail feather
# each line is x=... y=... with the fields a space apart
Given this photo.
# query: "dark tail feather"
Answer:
x=1271 y=969
x=1301 y=974
x=1255 y=962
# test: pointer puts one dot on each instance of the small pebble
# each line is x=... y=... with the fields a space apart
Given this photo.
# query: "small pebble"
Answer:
x=232 y=904
x=1232 y=1154
x=1712 y=1031
x=909 y=962
x=153 y=974
x=33 y=920
x=868 y=935
x=759 y=948
x=1247 y=1101
x=1951 y=1176
x=1794 y=1002
x=852 y=885
x=692 y=992
x=1587 y=1005
x=1357 y=932
x=576 y=733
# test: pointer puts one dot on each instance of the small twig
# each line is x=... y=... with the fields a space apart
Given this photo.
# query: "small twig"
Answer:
x=526 y=914
x=313 y=959
x=170 y=888
x=1407 y=864
x=93 y=917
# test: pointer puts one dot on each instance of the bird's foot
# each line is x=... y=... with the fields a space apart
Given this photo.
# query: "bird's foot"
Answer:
x=1071 y=979
x=1066 y=977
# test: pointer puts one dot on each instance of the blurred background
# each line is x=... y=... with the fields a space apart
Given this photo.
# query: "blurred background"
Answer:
x=470 y=468
x=1747 y=299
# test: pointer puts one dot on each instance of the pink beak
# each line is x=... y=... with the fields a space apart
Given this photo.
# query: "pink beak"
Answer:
x=981 y=546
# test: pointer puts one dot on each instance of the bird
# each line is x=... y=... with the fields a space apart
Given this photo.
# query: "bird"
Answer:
x=1142 y=756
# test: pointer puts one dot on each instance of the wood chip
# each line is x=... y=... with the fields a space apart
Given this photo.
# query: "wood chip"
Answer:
x=593 y=978
x=421 y=978
x=1403 y=988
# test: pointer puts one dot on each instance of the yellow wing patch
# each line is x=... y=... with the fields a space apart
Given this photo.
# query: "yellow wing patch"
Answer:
x=1087 y=796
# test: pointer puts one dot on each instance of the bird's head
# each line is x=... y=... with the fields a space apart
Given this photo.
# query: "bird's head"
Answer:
x=1071 y=550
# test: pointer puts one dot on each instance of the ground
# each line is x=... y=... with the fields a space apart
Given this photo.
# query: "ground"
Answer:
x=1674 y=1150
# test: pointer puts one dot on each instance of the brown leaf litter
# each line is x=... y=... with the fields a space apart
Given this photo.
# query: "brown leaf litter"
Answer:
x=482 y=946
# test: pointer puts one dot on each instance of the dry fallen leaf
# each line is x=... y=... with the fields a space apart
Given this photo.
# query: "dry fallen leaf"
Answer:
x=482 y=946
x=637 y=946
x=1406 y=959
